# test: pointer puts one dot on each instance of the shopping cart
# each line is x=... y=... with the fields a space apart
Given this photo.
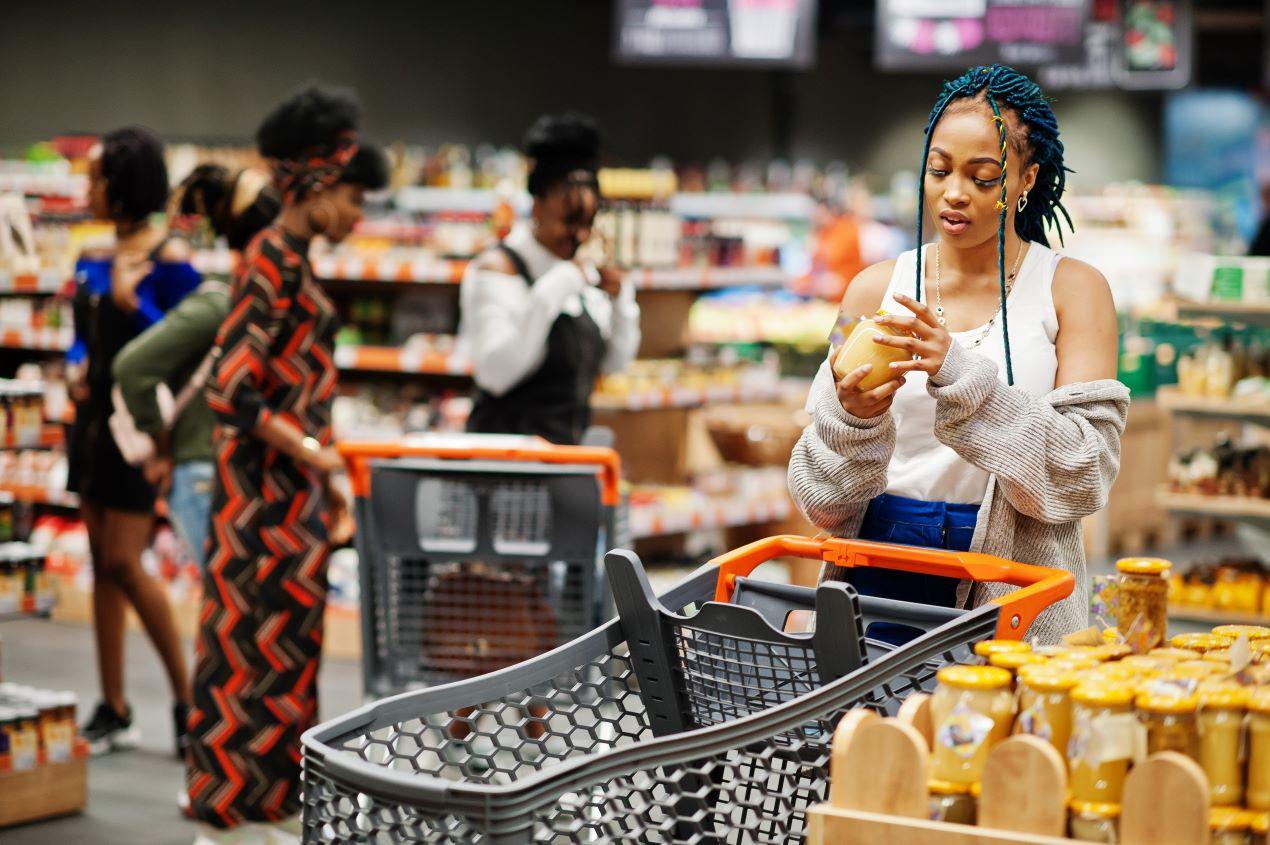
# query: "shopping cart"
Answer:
x=477 y=552
x=693 y=718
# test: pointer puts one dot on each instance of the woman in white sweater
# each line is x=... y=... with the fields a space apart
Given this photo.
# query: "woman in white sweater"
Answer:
x=539 y=323
x=1003 y=431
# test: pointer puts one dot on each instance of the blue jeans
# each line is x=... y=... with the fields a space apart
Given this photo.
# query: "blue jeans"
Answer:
x=911 y=522
x=190 y=504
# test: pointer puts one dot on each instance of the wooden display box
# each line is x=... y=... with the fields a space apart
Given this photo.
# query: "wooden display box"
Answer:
x=878 y=793
x=47 y=791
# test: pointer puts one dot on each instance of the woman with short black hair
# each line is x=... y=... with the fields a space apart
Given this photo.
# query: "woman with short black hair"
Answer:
x=119 y=293
x=274 y=512
x=539 y=323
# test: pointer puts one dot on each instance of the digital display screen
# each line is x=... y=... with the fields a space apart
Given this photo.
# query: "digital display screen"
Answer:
x=955 y=34
x=764 y=32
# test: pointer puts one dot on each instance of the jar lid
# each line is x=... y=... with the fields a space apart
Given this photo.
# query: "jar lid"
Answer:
x=1048 y=677
x=1260 y=822
x=1118 y=671
x=1228 y=818
x=1156 y=701
x=1225 y=694
x=1111 y=635
x=1194 y=669
x=1093 y=808
x=1146 y=663
x=1220 y=655
x=974 y=677
x=1014 y=659
x=1103 y=692
x=1259 y=699
x=1175 y=653
x=1252 y=632
x=1112 y=651
x=1200 y=642
x=1075 y=663
x=1144 y=565
x=947 y=787
x=987 y=648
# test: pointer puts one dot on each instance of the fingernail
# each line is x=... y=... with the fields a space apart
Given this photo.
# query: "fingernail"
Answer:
x=868 y=368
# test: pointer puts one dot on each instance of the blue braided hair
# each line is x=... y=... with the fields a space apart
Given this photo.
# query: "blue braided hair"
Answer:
x=1004 y=87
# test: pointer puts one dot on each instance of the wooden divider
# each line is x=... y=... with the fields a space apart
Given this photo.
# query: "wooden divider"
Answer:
x=878 y=796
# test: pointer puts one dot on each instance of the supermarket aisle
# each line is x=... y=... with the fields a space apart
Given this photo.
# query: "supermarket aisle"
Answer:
x=132 y=796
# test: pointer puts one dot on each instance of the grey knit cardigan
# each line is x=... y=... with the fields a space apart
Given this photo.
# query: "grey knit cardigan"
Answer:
x=1051 y=461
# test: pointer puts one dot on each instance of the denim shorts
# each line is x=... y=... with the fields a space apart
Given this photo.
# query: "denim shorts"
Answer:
x=911 y=522
x=190 y=504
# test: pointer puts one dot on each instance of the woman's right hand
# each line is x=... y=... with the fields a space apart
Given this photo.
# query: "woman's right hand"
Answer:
x=866 y=404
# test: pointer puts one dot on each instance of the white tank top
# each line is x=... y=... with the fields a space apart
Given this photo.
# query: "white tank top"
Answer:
x=922 y=467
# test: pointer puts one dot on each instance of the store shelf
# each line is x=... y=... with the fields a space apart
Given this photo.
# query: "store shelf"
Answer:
x=660 y=520
x=30 y=609
x=463 y=200
x=1250 y=313
x=1246 y=410
x=1211 y=617
x=48 y=437
x=706 y=278
x=758 y=205
x=1243 y=508
x=45 y=281
x=35 y=184
x=417 y=271
x=686 y=397
x=392 y=359
x=44 y=340
x=40 y=495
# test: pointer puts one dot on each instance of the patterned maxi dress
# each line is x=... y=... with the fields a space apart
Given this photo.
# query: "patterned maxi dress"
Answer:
x=260 y=630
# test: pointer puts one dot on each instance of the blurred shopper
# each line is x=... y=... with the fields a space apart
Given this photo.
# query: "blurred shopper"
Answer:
x=118 y=295
x=275 y=511
x=540 y=324
x=996 y=436
x=1261 y=241
x=174 y=355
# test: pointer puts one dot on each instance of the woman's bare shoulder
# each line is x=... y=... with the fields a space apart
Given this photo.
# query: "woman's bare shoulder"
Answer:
x=867 y=289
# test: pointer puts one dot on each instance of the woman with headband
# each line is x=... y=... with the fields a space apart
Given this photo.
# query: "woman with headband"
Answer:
x=1003 y=429
x=274 y=512
x=539 y=323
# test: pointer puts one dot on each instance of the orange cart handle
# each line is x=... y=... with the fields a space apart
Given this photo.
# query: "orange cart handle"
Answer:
x=1041 y=585
x=358 y=455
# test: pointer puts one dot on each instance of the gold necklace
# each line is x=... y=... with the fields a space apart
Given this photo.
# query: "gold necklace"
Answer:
x=1009 y=286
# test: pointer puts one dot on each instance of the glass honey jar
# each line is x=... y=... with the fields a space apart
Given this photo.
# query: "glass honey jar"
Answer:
x=971 y=711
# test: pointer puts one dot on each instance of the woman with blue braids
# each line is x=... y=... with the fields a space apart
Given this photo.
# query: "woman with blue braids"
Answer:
x=1003 y=430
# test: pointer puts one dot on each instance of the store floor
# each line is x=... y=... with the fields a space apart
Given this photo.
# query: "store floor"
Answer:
x=131 y=795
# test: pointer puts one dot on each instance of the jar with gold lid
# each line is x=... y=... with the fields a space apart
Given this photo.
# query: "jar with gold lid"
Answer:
x=1203 y=643
x=1099 y=709
x=952 y=802
x=1171 y=720
x=1143 y=594
x=987 y=648
x=1257 y=796
x=1011 y=661
x=1094 y=822
x=1176 y=654
x=1045 y=704
x=1221 y=720
x=971 y=712
x=1252 y=632
x=1196 y=669
x=1229 y=826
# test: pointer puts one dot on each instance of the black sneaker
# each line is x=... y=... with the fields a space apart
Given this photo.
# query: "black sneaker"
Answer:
x=181 y=722
x=108 y=731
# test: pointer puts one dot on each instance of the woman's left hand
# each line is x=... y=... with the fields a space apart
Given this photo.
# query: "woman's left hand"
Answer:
x=610 y=280
x=930 y=340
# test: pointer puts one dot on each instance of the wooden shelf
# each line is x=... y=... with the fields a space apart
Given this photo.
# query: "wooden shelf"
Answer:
x=1212 y=617
x=1246 y=410
x=1251 y=313
x=1244 y=508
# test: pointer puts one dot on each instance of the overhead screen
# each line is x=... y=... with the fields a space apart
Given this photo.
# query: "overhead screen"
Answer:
x=778 y=33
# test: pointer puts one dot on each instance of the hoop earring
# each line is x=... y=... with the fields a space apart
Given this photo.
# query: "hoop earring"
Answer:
x=1022 y=202
x=328 y=213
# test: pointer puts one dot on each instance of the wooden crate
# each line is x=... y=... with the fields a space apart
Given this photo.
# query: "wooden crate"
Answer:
x=47 y=791
x=878 y=793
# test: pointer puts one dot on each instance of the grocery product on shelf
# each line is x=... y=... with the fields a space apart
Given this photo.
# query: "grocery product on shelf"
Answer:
x=972 y=709
x=1222 y=470
x=1236 y=585
x=749 y=316
x=718 y=500
x=24 y=583
x=1143 y=598
x=651 y=383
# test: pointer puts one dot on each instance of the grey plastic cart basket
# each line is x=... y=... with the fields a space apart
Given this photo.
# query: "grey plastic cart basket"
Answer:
x=476 y=551
x=566 y=748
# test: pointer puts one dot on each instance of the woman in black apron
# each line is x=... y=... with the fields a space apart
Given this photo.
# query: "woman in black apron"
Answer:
x=539 y=323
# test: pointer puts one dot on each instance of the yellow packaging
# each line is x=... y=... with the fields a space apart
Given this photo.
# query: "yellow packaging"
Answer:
x=971 y=711
x=859 y=349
